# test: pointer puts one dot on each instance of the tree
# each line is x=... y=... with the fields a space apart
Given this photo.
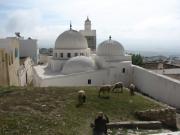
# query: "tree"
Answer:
x=137 y=59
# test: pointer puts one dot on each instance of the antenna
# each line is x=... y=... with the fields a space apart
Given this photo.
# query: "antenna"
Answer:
x=18 y=34
x=70 y=26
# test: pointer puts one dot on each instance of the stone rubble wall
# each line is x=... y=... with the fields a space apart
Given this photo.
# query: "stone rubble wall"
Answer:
x=167 y=116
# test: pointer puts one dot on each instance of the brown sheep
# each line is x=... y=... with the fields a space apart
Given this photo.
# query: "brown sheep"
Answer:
x=131 y=89
x=117 y=86
x=104 y=89
x=81 y=97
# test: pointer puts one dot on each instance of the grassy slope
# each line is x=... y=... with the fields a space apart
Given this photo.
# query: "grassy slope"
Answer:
x=46 y=111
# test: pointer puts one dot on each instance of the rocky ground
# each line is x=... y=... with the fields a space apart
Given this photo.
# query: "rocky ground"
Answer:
x=121 y=131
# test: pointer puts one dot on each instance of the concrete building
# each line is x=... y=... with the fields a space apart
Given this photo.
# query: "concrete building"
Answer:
x=14 y=70
x=29 y=48
x=9 y=61
x=89 y=34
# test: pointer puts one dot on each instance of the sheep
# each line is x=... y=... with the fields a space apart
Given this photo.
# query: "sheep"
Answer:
x=104 y=89
x=81 y=97
x=131 y=89
x=117 y=86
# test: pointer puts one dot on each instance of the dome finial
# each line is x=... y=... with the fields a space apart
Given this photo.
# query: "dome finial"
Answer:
x=110 y=37
x=70 y=26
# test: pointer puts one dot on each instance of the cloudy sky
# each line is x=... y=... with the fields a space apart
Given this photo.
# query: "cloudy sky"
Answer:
x=138 y=24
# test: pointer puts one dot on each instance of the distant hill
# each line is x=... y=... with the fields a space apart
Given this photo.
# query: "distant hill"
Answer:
x=157 y=53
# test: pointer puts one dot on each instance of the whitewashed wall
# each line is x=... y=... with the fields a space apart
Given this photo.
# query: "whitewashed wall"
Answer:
x=26 y=72
x=98 y=77
x=160 y=87
x=86 y=52
x=22 y=76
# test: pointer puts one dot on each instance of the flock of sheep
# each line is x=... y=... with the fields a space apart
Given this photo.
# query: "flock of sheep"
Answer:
x=106 y=89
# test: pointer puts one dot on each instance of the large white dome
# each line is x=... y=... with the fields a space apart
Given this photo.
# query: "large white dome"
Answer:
x=78 y=64
x=71 y=39
x=110 y=48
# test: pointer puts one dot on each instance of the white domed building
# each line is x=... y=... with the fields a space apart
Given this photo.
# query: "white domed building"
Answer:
x=72 y=63
x=112 y=52
x=69 y=44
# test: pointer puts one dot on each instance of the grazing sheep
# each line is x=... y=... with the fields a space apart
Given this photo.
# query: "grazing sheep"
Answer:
x=81 y=97
x=104 y=89
x=117 y=86
x=132 y=89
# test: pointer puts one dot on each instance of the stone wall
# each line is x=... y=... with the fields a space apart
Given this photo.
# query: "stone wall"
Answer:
x=167 y=116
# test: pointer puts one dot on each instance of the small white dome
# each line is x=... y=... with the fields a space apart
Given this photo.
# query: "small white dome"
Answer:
x=78 y=64
x=71 y=39
x=110 y=48
x=99 y=61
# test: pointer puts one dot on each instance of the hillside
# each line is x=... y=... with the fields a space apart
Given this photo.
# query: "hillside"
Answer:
x=50 y=111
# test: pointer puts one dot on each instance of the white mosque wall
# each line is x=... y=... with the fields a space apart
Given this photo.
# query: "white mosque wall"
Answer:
x=56 y=65
x=57 y=53
x=160 y=87
x=97 y=77
x=117 y=58
x=76 y=79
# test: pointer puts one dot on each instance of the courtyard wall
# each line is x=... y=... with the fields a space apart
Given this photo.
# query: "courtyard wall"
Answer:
x=160 y=87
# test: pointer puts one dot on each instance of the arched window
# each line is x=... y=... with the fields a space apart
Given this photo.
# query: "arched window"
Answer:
x=123 y=70
x=76 y=54
x=61 y=54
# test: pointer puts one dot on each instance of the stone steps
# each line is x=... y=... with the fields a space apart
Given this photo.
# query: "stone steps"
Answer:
x=136 y=125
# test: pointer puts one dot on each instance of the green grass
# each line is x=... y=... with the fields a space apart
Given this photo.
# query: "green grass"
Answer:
x=53 y=111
